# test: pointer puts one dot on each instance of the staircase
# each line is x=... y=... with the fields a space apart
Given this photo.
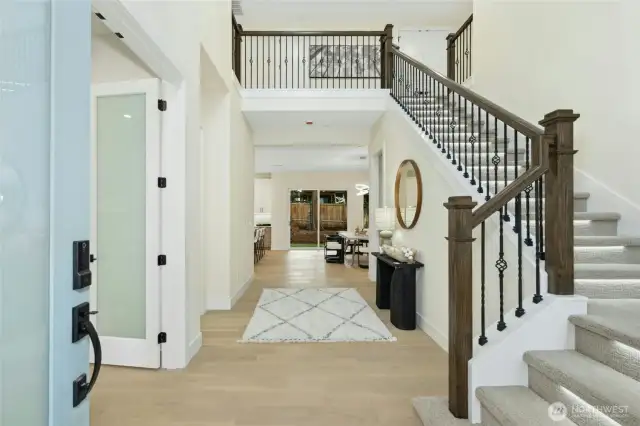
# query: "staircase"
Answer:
x=598 y=383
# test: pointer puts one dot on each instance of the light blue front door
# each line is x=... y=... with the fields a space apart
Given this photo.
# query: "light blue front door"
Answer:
x=45 y=61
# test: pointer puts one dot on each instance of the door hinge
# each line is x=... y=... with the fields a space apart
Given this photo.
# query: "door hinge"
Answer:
x=162 y=337
x=162 y=105
x=162 y=259
x=162 y=182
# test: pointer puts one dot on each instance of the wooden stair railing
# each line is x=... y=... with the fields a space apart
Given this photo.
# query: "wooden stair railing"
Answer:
x=312 y=59
x=524 y=174
x=459 y=52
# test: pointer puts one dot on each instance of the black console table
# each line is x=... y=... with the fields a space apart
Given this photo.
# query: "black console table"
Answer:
x=396 y=290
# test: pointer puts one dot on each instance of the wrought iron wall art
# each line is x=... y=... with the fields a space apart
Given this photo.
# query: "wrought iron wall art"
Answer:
x=337 y=61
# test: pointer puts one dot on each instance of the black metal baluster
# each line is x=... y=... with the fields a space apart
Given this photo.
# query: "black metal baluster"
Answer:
x=280 y=60
x=250 y=64
x=496 y=158
x=483 y=337
x=448 y=130
x=488 y=152
x=504 y=135
x=470 y=50
x=537 y=297
x=431 y=102
x=542 y=217
x=471 y=141
x=351 y=62
x=269 y=62
x=440 y=119
x=528 y=241
x=517 y=225
x=518 y=219
x=458 y=136
x=480 y=189
x=501 y=266
x=262 y=61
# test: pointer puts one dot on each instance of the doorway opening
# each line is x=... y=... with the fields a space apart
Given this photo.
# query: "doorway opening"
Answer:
x=315 y=214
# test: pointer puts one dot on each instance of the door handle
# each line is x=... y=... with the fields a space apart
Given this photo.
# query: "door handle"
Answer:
x=92 y=258
x=83 y=326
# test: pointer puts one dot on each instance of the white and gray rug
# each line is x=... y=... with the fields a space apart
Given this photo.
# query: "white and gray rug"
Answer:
x=314 y=315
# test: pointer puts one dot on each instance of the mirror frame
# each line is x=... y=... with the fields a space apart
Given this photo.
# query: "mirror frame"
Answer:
x=397 y=194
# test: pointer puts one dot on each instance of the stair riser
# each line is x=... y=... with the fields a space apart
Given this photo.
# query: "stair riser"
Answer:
x=581 y=414
x=488 y=419
x=600 y=228
x=608 y=289
x=609 y=274
x=607 y=254
x=609 y=352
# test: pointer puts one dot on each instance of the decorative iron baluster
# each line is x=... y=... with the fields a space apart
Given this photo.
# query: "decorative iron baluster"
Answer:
x=537 y=297
x=472 y=142
x=482 y=340
x=518 y=219
x=528 y=241
x=517 y=225
x=506 y=170
x=501 y=266
x=459 y=135
x=540 y=207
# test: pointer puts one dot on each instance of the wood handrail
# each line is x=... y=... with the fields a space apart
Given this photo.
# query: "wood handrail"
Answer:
x=508 y=193
x=236 y=26
x=517 y=123
x=313 y=33
x=463 y=27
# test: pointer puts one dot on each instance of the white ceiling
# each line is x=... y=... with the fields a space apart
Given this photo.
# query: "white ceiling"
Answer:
x=352 y=14
x=296 y=120
x=275 y=159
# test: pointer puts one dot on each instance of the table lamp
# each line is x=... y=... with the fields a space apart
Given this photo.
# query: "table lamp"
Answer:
x=386 y=223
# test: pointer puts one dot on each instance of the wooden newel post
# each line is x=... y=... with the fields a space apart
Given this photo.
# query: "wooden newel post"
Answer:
x=237 y=48
x=559 y=214
x=460 y=239
x=451 y=57
x=386 y=72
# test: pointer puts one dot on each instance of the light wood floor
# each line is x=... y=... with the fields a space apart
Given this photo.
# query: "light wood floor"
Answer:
x=306 y=384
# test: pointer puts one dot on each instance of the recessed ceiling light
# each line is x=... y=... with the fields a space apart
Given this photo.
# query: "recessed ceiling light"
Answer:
x=127 y=116
x=277 y=165
x=308 y=123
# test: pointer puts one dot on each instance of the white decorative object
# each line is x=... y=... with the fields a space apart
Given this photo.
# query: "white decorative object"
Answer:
x=314 y=315
x=262 y=219
x=386 y=222
x=402 y=254
x=362 y=188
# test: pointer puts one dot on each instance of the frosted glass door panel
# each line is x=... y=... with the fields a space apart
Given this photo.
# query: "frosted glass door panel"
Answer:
x=24 y=212
x=121 y=215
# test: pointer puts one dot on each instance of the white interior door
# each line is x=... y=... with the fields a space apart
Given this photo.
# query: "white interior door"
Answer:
x=126 y=221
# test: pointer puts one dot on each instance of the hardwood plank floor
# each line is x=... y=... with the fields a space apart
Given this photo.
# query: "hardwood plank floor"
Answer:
x=288 y=384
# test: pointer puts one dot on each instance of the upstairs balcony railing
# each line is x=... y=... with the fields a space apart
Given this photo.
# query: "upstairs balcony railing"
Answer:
x=459 y=53
x=312 y=59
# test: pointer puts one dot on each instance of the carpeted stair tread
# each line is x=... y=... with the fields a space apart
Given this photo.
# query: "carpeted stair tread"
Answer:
x=592 y=381
x=606 y=241
x=603 y=289
x=618 y=328
x=621 y=307
x=594 y=216
x=434 y=411
x=517 y=406
x=606 y=270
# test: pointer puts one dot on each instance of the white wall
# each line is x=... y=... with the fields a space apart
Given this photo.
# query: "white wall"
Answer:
x=428 y=46
x=282 y=183
x=179 y=28
x=262 y=196
x=112 y=61
x=583 y=57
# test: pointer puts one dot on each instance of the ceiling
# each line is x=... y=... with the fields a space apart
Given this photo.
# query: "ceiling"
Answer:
x=352 y=14
x=275 y=159
x=264 y=120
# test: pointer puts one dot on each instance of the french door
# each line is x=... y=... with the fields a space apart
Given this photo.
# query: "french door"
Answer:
x=44 y=207
x=126 y=221
x=313 y=214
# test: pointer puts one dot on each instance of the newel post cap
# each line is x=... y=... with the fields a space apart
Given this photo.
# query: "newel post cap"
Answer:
x=559 y=116
x=460 y=203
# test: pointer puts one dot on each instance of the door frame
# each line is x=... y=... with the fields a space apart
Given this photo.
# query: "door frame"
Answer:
x=128 y=351
x=173 y=146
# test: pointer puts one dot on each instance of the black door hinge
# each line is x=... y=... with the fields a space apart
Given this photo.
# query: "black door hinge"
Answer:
x=162 y=337
x=162 y=259
x=162 y=105
x=162 y=182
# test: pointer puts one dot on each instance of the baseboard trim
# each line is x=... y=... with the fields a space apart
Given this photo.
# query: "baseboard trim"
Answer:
x=241 y=292
x=432 y=332
x=194 y=347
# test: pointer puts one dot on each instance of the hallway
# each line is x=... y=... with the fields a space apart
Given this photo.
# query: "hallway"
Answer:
x=229 y=383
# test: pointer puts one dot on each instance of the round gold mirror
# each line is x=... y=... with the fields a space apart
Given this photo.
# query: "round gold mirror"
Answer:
x=408 y=194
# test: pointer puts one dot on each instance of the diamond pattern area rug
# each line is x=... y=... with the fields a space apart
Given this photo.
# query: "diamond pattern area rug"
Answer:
x=314 y=315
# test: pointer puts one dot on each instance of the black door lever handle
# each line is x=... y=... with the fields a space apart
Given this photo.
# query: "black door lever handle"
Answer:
x=92 y=258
